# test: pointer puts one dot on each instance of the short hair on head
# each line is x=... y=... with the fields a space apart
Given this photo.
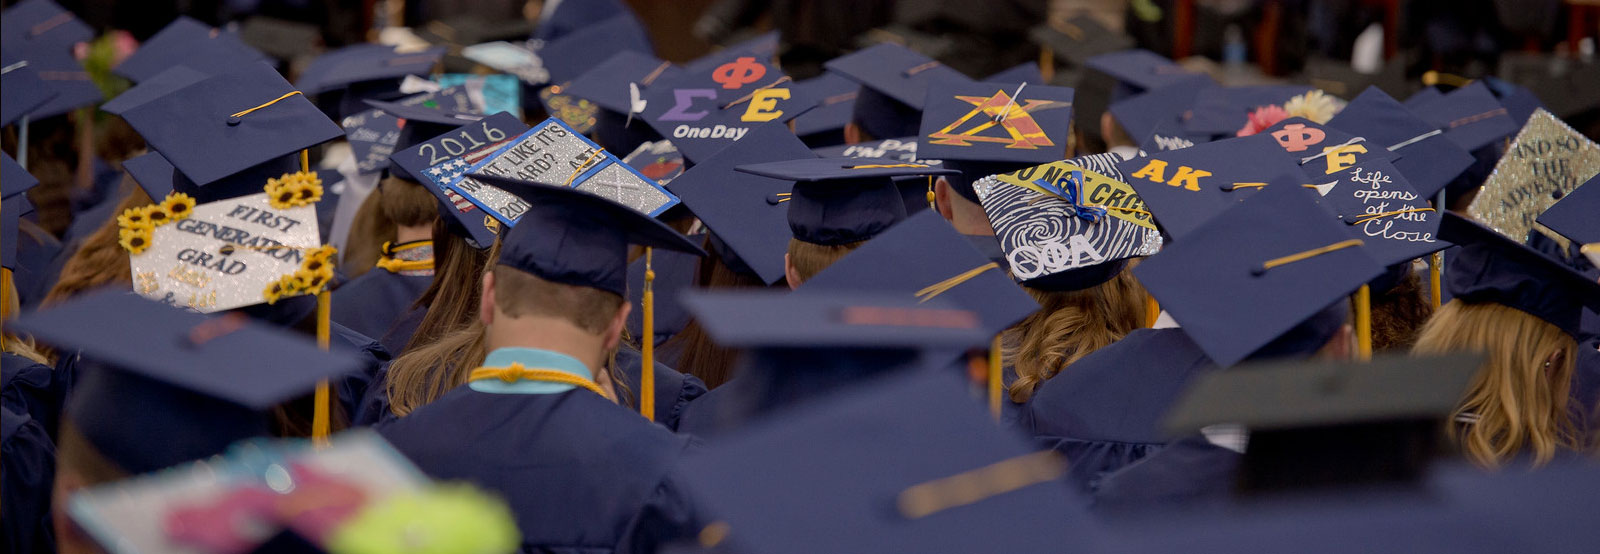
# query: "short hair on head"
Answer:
x=809 y=259
x=519 y=294
x=406 y=203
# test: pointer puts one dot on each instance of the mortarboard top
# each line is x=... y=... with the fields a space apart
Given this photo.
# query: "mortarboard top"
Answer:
x=21 y=89
x=1184 y=188
x=563 y=18
x=157 y=86
x=1577 y=215
x=904 y=454
x=1222 y=110
x=1470 y=116
x=431 y=164
x=834 y=319
x=280 y=38
x=1026 y=72
x=153 y=173
x=607 y=84
x=1378 y=206
x=741 y=209
x=1323 y=151
x=421 y=123
x=1138 y=70
x=837 y=101
x=60 y=72
x=925 y=258
x=44 y=24
x=838 y=201
x=1422 y=97
x=1520 y=102
x=1241 y=280
x=17 y=179
x=762 y=47
x=959 y=128
x=702 y=113
x=576 y=53
x=198 y=383
x=210 y=53
x=1492 y=268
x=230 y=122
x=1079 y=38
x=322 y=74
x=1060 y=233
x=894 y=82
x=575 y=238
x=1168 y=136
x=1428 y=160
x=1141 y=114
x=1306 y=395
x=15 y=207
x=913 y=190
x=1545 y=162
x=157 y=53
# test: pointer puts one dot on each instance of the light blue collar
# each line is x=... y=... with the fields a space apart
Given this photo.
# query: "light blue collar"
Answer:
x=530 y=358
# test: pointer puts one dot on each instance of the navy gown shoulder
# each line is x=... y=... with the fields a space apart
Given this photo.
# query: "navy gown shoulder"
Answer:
x=718 y=410
x=675 y=272
x=576 y=468
x=375 y=302
x=1187 y=473
x=28 y=387
x=674 y=390
x=29 y=459
x=1104 y=411
x=352 y=390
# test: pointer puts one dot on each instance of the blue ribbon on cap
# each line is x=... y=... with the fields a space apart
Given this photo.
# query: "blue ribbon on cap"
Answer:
x=1073 y=194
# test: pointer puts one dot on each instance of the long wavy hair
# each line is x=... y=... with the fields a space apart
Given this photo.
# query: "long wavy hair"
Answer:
x=810 y=259
x=21 y=345
x=99 y=261
x=451 y=299
x=1069 y=326
x=700 y=356
x=1398 y=314
x=1517 y=402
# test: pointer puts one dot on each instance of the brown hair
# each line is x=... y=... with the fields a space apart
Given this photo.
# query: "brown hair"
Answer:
x=81 y=457
x=1518 y=399
x=428 y=370
x=451 y=299
x=701 y=356
x=99 y=261
x=810 y=259
x=1070 y=325
x=519 y=293
x=18 y=345
x=369 y=229
x=406 y=203
x=1398 y=314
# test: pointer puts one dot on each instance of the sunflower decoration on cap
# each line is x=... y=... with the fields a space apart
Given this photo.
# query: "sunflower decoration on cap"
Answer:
x=313 y=276
x=294 y=189
x=136 y=226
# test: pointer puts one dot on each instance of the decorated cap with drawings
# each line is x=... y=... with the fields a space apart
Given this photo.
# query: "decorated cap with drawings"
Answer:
x=837 y=201
x=1168 y=136
x=1068 y=225
x=762 y=47
x=1378 y=205
x=703 y=112
x=617 y=86
x=21 y=89
x=1546 y=161
x=1184 y=188
x=1574 y=216
x=1427 y=158
x=995 y=122
x=1470 y=116
x=1490 y=267
x=576 y=238
x=1323 y=151
x=62 y=74
x=743 y=210
x=45 y=24
x=375 y=134
x=894 y=82
x=552 y=153
x=1255 y=271
x=436 y=163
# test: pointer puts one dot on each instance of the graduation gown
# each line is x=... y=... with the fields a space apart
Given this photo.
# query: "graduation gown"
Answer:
x=576 y=469
x=674 y=390
x=375 y=302
x=1104 y=411
x=28 y=461
x=1189 y=471
x=28 y=387
x=772 y=384
x=675 y=272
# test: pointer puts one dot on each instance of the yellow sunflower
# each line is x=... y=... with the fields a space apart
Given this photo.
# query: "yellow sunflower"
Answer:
x=158 y=215
x=134 y=216
x=313 y=281
x=135 y=239
x=322 y=253
x=178 y=205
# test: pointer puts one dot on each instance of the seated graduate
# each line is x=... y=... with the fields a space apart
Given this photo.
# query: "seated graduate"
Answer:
x=30 y=461
x=909 y=460
x=162 y=386
x=1525 y=312
x=582 y=466
x=920 y=259
x=199 y=165
x=748 y=233
x=1263 y=279
x=1573 y=238
x=29 y=386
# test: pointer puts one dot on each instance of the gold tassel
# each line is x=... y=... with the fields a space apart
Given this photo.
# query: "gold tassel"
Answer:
x=647 y=343
x=941 y=287
x=1152 y=311
x=931 y=204
x=320 y=425
x=994 y=378
x=1434 y=269
x=5 y=302
x=1364 y=323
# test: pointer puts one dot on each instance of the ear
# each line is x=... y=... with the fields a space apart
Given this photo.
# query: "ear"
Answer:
x=941 y=199
x=618 y=323
x=486 y=300
x=790 y=275
x=1343 y=344
x=852 y=133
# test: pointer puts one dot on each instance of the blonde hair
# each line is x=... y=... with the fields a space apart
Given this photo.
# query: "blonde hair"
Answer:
x=19 y=345
x=1519 y=402
x=100 y=261
x=1070 y=325
x=810 y=259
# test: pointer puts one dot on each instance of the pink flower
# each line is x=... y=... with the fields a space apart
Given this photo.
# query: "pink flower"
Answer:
x=1262 y=118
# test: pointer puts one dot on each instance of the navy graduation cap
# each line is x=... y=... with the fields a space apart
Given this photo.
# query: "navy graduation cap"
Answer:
x=45 y=24
x=1079 y=38
x=995 y=122
x=825 y=124
x=911 y=464
x=704 y=112
x=1577 y=215
x=1520 y=103
x=563 y=18
x=608 y=83
x=17 y=179
x=1470 y=116
x=1395 y=223
x=894 y=81
x=1163 y=107
x=1255 y=271
x=321 y=74
x=1492 y=268
x=838 y=201
x=209 y=53
x=1168 y=136
x=1138 y=70
x=193 y=383
x=575 y=53
x=835 y=319
x=575 y=238
x=1428 y=159
x=60 y=72
x=420 y=122
x=1324 y=151
x=743 y=210
x=153 y=173
x=1026 y=72
x=1221 y=110
x=762 y=47
x=363 y=63
x=1184 y=188
x=925 y=258
x=157 y=86
x=227 y=123
x=434 y=164
x=1423 y=96
x=156 y=53
x=21 y=89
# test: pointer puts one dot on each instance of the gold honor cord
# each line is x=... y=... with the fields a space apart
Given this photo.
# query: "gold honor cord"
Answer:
x=647 y=342
x=980 y=484
x=395 y=265
x=517 y=372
